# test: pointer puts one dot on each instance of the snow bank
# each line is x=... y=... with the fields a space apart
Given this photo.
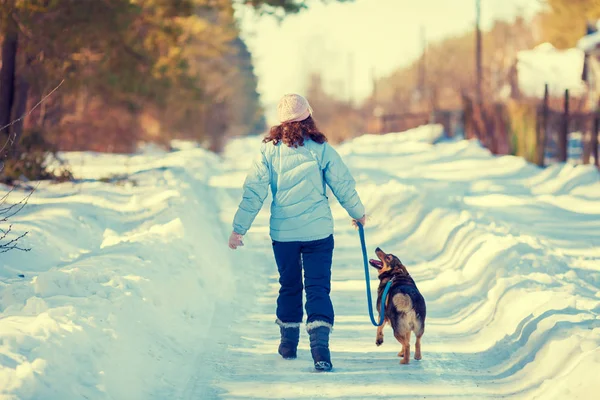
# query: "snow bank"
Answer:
x=121 y=283
x=395 y=143
x=130 y=292
x=560 y=69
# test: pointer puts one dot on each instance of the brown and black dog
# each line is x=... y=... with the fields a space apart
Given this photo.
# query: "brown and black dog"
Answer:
x=405 y=306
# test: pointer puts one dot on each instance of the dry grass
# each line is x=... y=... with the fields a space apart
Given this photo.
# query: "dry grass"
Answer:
x=522 y=122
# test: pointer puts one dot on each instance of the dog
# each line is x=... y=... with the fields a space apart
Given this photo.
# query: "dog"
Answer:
x=405 y=308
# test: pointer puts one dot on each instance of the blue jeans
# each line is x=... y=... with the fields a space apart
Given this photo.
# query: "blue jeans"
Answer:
x=315 y=257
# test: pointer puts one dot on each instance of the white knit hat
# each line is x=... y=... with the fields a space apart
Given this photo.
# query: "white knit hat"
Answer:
x=293 y=108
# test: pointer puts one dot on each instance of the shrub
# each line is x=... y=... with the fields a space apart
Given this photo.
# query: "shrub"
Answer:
x=522 y=118
x=34 y=158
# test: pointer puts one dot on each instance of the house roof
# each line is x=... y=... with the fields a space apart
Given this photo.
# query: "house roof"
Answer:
x=560 y=69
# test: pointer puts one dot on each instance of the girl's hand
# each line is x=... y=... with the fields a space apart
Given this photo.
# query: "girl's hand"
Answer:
x=235 y=240
x=362 y=221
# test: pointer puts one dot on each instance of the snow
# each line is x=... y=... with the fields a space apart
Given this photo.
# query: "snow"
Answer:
x=131 y=292
x=560 y=69
x=119 y=284
x=589 y=43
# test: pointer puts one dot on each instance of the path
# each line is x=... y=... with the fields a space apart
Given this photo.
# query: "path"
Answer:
x=506 y=256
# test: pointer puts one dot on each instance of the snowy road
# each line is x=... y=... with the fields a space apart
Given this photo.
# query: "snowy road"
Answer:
x=507 y=257
x=152 y=305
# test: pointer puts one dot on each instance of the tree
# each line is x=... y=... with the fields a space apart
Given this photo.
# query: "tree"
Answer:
x=337 y=119
x=9 y=55
x=564 y=21
x=134 y=70
x=281 y=7
x=96 y=45
x=449 y=75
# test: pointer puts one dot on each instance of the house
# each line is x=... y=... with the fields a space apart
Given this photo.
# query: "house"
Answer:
x=590 y=46
x=559 y=69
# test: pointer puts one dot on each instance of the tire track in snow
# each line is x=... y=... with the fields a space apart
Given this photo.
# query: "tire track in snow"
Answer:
x=213 y=359
x=509 y=315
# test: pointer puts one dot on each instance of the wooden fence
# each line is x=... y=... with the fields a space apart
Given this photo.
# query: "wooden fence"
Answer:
x=554 y=130
x=539 y=132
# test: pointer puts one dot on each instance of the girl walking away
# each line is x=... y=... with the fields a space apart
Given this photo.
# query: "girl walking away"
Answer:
x=297 y=163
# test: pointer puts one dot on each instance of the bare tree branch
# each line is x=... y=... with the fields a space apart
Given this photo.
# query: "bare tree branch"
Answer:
x=3 y=198
x=6 y=234
x=6 y=212
x=12 y=245
x=11 y=137
x=9 y=211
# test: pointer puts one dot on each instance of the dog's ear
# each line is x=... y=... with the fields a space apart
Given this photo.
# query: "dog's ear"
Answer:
x=395 y=263
x=392 y=260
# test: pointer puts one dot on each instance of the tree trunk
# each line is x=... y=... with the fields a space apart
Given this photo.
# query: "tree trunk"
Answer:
x=543 y=129
x=478 y=55
x=7 y=73
x=20 y=110
x=594 y=139
x=563 y=137
x=218 y=127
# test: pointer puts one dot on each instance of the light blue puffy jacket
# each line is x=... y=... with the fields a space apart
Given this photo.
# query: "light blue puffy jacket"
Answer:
x=297 y=177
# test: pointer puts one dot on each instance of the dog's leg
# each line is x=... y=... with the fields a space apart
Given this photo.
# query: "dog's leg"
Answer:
x=404 y=340
x=418 y=348
x=379 y=337
x=401 y=353
x=406 y=358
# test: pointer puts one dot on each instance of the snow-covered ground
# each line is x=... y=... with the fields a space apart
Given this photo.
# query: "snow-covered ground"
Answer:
x=130 y=292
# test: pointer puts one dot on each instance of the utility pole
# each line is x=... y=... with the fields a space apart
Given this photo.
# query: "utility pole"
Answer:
x=374 y=82
x=478 y=66
x=422 y=67
x=351 y=79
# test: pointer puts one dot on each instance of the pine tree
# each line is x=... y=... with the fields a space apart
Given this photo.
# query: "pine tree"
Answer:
x=179 y=63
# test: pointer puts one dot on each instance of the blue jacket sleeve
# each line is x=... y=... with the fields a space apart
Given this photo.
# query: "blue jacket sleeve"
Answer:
x=256 y=189
x=342 y=184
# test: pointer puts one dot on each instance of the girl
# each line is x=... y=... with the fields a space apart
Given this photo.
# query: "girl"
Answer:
x=296 y=162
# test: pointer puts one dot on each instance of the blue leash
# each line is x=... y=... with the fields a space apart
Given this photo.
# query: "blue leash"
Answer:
x=361 y=233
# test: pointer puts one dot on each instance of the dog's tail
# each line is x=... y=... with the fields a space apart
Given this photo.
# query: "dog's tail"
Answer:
x=402 y=302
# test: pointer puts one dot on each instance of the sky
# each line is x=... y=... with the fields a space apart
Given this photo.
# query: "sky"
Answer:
x=349 y=43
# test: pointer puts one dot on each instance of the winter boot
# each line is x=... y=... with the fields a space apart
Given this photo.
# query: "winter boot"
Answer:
x=319 y=345
x=290 y=335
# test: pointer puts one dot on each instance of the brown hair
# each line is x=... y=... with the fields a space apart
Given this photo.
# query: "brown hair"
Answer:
x=293 y=133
